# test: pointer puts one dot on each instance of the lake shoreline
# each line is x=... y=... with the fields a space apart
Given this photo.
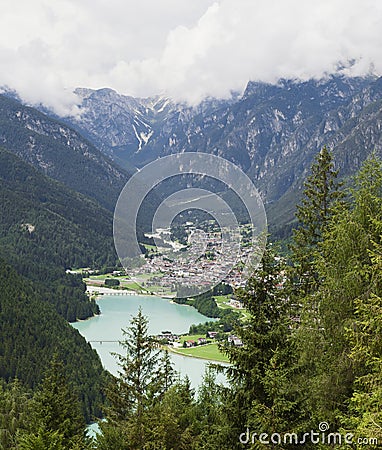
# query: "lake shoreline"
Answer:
x=101 y=292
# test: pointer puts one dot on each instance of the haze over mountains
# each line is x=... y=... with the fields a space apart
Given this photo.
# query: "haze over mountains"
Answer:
x=271 y=131
x=59 y=152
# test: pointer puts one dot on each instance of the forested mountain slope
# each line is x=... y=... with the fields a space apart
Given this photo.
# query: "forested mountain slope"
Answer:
x=46 y=228
x=59 y=152
x=32 y=332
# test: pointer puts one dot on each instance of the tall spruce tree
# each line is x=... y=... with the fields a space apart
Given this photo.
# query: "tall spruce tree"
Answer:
x=262 y=397
x=57 y=421
x=364 y=417
x=321 y=190
x=349 y=292
x=130 y=394
x=322 y=199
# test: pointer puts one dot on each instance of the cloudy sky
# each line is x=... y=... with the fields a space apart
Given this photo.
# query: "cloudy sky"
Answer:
x=187 y=49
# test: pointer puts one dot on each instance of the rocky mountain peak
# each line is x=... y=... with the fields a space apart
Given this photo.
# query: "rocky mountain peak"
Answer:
x=272 y=131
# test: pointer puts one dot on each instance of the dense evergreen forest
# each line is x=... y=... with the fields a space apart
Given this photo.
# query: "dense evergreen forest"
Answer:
x=46 y=228
x=32 y=332
x=308 y=374
x=56 y=193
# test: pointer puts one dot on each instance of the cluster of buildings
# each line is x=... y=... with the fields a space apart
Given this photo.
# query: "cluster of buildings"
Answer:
x=203 y=263
x=170 y=338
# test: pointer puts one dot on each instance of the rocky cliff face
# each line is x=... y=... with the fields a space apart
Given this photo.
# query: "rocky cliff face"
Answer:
x=119 y=125
x=59 y=152
x=271 y=131
x=137 y=130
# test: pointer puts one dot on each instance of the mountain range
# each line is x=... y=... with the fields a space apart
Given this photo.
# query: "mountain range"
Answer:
x=272 y=131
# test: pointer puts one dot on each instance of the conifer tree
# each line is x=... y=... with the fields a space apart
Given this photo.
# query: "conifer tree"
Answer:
x=321 y=200
x=16 y=407
x=345 y=270
x=364 y=335
x=320 y=192
x=172 y=423
x=130 y=394
x=364 y=417
x=262 y=397
x=363 y=332
x=211 y=424
x=164 y=377
x=57 y=419
x=43 y=440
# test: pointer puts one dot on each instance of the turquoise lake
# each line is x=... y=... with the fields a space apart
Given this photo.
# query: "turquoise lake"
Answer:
x=163 y=315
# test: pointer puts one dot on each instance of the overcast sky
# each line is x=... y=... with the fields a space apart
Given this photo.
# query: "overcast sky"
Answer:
x=187 y=49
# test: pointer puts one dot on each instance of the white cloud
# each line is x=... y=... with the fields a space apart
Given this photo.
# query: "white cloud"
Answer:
x=187 y=49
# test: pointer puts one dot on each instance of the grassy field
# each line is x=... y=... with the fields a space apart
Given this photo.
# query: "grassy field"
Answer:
x=221 y=301
x=152 y=248
x=132 y=285
x=208 y=351
x=102 y=277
